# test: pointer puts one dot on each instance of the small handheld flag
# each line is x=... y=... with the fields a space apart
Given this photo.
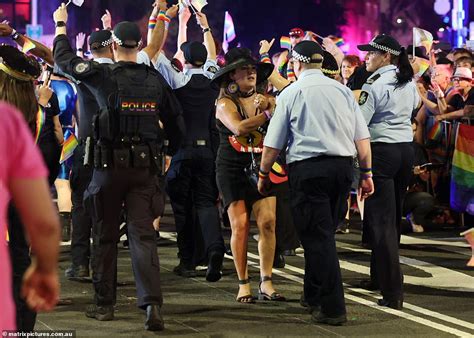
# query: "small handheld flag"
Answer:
x=423 y=38
x=70 y=143
x=285 y=42
x=28 y=45
x=78 y=3
x=229 y=31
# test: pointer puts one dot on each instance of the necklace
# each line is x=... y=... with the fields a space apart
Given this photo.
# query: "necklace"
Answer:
x=248 y=94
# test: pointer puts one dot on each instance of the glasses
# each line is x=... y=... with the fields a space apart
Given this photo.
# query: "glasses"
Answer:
x=459 y=79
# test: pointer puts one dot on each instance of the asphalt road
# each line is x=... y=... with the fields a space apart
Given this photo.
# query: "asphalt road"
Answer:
x=439 y=295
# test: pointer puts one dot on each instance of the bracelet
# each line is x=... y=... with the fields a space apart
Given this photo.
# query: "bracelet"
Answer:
x=365 y=170
x=60 y=24
x=205 y=30
x=265 y=57
x=263 y=174
x=14 y=35
x=80 y=50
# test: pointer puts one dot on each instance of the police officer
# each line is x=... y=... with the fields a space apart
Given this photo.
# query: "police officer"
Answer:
x=100 y=44
x=191 y=175
x=387 y=101
x=132 y=97
x=319 y=121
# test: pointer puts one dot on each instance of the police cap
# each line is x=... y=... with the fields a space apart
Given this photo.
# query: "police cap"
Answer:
x=194 y=52
x=127 y=34
x=382 y=43
x=308 y=52
x=99 y=39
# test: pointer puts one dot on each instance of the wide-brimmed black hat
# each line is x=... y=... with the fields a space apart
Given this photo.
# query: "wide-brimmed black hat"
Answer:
x=100 y=39
x=18 y=65
x=306 y=51
x=239 y=57
x=194 y=52
x=330 y=66
x=382 y=43
x=127 y=34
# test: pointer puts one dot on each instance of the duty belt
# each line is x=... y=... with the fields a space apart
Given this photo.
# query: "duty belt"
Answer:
x=196 y=143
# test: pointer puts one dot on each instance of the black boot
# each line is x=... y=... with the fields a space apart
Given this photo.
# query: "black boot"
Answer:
x=65 y=219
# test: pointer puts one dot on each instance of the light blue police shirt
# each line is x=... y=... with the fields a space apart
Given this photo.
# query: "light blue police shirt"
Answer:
x=316 y=116
x=386 y=109
x=177 y=79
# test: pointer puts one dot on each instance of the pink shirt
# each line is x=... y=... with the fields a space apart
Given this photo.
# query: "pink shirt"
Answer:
x=19 y=158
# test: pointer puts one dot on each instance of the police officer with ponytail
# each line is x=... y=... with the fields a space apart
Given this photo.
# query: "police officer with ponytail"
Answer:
x=126 y=157
x=387 y=102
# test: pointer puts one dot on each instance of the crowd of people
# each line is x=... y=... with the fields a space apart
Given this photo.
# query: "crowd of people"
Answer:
x=286 y=137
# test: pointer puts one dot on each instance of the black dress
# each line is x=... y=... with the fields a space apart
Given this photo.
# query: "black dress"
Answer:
x=232 y=158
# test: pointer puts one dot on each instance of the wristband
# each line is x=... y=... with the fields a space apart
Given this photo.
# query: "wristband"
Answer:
x=14 y=35
x=364 y=176
x=265 y=57
x=262 y=174
x=80 y=50
x=60 y=24
x=365 y=170
x=164 y=17
x=205 y=30
x=152 y=23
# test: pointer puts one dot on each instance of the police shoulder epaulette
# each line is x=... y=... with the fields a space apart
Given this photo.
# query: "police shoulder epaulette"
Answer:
x=373 y=79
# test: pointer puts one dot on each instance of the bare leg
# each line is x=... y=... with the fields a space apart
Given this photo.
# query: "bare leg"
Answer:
x=264 y=210
x=239 y=223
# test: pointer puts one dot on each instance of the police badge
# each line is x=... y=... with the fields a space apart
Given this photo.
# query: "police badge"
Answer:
x=363 y=97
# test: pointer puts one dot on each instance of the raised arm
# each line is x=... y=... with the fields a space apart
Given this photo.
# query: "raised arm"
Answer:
x=278 y=81
x=183 y=17
x=40 y=50
x=208 y=38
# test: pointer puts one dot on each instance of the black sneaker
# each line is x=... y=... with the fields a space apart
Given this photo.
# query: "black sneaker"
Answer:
x=343 y=227
x=75 y=272
x=185 y=270
x=321 y=318
x=102 y=313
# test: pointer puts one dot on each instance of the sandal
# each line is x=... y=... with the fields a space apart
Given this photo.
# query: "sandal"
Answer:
x=275 y=296
x=246 y=299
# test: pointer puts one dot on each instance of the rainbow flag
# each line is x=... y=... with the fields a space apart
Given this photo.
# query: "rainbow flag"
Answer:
x=339 y=42
x=28 y=45
x=285 y=42
x=70 y=143
x=423 y=66
x=435 y=131
x=40 y=118
x=462 y=172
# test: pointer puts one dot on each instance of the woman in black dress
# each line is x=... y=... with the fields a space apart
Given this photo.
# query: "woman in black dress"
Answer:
x=242 y=114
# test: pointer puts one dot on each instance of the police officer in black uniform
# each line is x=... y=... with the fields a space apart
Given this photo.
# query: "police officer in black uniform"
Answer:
x=132 y=97
x=191 y=175
x=100 y=45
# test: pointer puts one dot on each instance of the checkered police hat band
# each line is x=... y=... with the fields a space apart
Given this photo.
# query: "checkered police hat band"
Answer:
x=384 y=48
x=301 y=58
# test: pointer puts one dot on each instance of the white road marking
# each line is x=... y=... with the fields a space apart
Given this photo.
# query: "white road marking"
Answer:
x=439 y=277
x=363 y=301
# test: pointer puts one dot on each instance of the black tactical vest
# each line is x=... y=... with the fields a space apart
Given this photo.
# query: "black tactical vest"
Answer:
x=132 y=114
